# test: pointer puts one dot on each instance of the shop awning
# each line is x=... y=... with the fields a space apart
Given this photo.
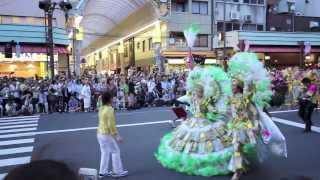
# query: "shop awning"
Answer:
x=270 y=49
x=37 y=49
x=179 y=54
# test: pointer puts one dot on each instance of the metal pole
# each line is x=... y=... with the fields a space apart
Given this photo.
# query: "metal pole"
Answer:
x=224 y=30
x=50 y=39
x=212 y=23
x=74 y=48
x=293 y=19
x=47 y=50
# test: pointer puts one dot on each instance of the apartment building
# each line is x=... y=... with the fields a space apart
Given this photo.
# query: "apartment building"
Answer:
x=246 y=15
x=165 y=28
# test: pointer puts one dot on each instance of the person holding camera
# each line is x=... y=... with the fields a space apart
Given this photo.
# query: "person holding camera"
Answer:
x=307 y=103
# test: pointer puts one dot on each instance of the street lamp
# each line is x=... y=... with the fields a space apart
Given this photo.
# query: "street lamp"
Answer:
x=48 y=7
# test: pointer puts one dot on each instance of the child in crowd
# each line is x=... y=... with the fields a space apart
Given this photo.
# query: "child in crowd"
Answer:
x=121 y=103
x=74 y=105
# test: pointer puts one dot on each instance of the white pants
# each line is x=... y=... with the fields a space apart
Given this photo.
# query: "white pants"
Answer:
x=109 y=146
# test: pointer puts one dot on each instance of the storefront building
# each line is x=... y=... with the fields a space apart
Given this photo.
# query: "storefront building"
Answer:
x=276 y=49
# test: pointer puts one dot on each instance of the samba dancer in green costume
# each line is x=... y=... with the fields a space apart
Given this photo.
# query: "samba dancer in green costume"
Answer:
x=208 y=144
x=201 y=144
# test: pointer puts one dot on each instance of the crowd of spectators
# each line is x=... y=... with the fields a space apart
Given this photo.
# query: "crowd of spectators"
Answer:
x=136 y=89
x=133 y=90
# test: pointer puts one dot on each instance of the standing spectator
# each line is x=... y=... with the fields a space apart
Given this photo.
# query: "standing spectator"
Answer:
x=108 y=136
x=307 y=103
x=65 y=96
x=35 y=97
x=43 y=101
x=86 y=95
x=131 y=98
x=151 y=86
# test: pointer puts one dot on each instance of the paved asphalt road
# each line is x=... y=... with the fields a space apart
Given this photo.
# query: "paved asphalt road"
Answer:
x=41 y=139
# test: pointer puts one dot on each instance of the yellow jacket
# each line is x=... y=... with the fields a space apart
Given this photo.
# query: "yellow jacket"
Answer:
x=107 y=122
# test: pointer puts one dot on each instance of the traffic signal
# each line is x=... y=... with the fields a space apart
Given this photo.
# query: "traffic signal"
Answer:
x=8 y=50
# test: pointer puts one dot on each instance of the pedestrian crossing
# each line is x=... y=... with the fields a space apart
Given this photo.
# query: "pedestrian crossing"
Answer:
x=16 y=141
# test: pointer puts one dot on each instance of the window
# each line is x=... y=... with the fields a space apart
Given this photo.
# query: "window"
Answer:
x=236 y=26
x=260 y=27
x=220 y=26
x=179 y=6
x=201 y=41
x=199 y=7
x=150 y=44
x=230 y=26
x=143 y=46
x=254 y=1
x=178 y=39
x=249 y=27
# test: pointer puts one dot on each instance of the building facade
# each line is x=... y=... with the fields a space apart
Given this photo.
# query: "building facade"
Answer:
x=25 y=25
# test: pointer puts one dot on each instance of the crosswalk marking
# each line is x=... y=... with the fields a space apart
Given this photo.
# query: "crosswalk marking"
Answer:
x=20 y=117
x=16 y=150
x=18 y=120
x=17 y=130
x=18 y=141
x=17 y=135
x=15 y=161
x=18 y=126
x=24 y=122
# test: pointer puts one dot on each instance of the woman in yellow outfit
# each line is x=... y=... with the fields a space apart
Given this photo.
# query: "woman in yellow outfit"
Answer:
x=108 y=136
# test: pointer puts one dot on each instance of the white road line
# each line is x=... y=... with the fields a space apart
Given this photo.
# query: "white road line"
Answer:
x=18 y=120
x=18 y=126
x=16 y=150
x=2 y=176
x=290 y=110
x=94 y=128
x=15 y=161
x=142 y=112
x=15 y=135
x=17 y=141
x=24 y=122
x=17 y=130
x=19 y=117
x=294 y=124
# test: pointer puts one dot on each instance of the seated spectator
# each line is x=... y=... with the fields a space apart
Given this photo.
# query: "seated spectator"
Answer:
x=11 y=108
x=74 y=105
x=40 y=170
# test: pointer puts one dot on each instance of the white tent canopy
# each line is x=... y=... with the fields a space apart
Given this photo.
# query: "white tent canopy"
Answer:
x=101 y=16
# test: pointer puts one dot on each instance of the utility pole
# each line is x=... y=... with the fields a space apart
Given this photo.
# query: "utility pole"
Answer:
x=224 y=30
x=50 y=39
x=74 y=31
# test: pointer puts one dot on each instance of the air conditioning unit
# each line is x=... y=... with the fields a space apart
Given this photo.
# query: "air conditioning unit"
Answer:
x=248 y=18
x=314 y=24
x=235 y=16
x=272 y=28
